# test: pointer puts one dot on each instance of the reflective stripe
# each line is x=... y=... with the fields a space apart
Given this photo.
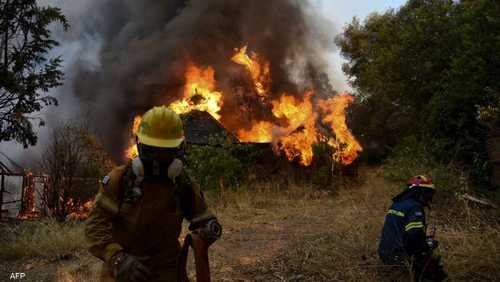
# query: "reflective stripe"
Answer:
x=395 y=212
x=413 y=225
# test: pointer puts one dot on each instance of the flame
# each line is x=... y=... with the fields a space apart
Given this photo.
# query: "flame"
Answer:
x=297 y=137
x=301 y=131
x=28 y=207
x=261 y=132
x=259 y=71
x=78 y=211
x=132 y=152
x=199 y=92
x=334 y=110
x=292 y=125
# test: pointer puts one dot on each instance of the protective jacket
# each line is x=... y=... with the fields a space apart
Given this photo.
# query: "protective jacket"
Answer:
x=145 y=224
x=404 y=231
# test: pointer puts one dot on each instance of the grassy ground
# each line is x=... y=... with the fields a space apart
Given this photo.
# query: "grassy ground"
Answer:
x=277 y=234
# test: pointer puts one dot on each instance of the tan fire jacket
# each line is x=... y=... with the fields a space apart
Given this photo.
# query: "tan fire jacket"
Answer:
x=149 y=226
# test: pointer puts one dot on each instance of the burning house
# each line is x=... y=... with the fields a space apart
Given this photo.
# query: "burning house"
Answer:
x=21 y=192
x=251 y=70
x=199 y=126
x=256 y=67
x=292 y=123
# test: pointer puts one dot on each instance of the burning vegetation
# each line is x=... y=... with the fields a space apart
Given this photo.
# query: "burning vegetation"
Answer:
x=292 y=122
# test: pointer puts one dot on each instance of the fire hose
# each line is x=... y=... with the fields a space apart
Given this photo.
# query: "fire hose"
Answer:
x=200 y=241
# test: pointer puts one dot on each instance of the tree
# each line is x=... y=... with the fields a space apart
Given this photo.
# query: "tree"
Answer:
x=396 y=60
x=26 y=74
x=425 y=70
x=74 y=161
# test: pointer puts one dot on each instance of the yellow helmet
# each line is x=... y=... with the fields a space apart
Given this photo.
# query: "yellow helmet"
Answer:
x=161 y=127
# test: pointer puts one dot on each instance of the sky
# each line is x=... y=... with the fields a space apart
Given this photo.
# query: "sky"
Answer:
x=342 y=11
x=339 y=12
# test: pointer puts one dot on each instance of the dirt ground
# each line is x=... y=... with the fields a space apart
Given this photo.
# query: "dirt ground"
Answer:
x=296 y=234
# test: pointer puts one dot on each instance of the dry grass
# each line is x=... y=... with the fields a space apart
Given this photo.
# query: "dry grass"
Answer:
x=301 y=234
x=320 y=237
x=42 y=239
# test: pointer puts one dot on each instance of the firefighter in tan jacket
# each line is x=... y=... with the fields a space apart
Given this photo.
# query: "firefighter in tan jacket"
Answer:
x=136 y=220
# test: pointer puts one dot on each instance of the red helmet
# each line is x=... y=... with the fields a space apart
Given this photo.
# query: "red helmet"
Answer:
x=421 y=181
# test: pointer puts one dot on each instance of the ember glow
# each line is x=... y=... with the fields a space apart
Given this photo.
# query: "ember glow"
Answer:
x=78 y=211
x=293 y=120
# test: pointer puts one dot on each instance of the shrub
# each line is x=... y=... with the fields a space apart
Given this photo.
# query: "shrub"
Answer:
x=322 y=165
x=413 y=157
x=221 y=163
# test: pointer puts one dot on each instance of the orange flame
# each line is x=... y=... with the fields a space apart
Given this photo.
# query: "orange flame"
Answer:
x=78 y=212
x=261 y=132
x=334 y=110
x=297 y=137
x=259 y=71
x=294 y=128
x=300 y=135
x=199 y=92
x=132 y=152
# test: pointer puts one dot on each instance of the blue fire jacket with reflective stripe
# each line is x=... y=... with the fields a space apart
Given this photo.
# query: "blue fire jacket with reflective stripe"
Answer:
x=404 y=231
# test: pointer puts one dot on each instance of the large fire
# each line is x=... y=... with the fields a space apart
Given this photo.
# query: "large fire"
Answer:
x=259 y=71
x=346 y=145
x=199 y=92
x=293 y=126
x=300 y=135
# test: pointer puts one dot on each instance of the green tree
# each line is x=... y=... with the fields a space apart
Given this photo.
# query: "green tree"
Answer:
x=26 y=72
x=395 y=61
x=425 y=70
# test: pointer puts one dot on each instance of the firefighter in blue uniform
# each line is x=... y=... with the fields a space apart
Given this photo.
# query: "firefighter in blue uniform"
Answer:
x=404 y=239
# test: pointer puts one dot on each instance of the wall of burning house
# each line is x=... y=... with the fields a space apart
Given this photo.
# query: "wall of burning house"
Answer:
x=23 y=196
x=27 y=196
x=12 y=196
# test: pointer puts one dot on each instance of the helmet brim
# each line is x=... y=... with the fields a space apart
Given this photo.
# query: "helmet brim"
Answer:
x=430 y=186
x=161 y=143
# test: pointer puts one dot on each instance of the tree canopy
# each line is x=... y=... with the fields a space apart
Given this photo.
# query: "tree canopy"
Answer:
x=26 y=72
x=427 y=70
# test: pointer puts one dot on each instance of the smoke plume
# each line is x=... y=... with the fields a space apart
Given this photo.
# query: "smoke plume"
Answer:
x=135 y=53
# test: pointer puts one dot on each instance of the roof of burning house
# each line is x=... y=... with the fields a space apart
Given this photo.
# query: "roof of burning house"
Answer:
x=200 y=126
x=8 y=166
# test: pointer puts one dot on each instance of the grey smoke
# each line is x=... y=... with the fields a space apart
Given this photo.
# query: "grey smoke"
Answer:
x=146 y=45
x=124 y=56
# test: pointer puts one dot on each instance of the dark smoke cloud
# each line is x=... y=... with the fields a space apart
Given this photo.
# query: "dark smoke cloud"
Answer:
x=145 y=45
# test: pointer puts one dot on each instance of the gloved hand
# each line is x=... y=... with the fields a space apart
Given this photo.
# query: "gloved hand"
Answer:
x=432 y=243
x=129 y=268
x=209 y=232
